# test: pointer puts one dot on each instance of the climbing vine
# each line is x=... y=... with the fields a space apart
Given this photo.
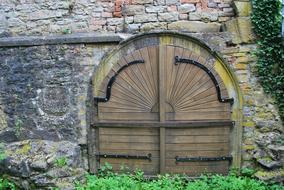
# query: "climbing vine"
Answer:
x=266 y=18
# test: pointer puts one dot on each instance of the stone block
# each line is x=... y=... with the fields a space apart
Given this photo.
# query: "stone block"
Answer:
x=242 y=8
x=245 y=29
x=209 y=16
x=46 y=14
x=232 y=27
x=183 y=16
x=106 y=15
x=131 y=10
x=114 y=21
x=186 y=8
x=189 y=1
x=154 y=25
x=155 y=9
x=241 y=30
x=172 y=16
x=133 y=27
x=194 y=26
x=194 y=16
x=145 y=18
x=172 y=2
x=142 y=2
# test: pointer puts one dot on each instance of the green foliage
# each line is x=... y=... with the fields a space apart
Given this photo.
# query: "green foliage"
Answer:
x=248 y=172
x=5 y=184
x=61 y=161
x=66 y=31
x=266 y=18
x=136 y=181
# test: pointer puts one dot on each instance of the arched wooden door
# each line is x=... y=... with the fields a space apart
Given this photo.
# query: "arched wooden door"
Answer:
x=163 y=108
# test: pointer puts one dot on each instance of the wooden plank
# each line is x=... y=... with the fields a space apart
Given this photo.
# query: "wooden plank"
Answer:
x=162 y=149
x=125 y=146
x=198 y=170
x=172 y=162
x=162 y=104
x=154 y=153
x=196 y=153
x=154 y=161
x=196 y=139
x=202 y=115
x=125 y=168
x=198 y=146
x=204 y=131
x=168 y=124
x=128 y=139
x=162 y=60
x=130 y=131
x=134 y=116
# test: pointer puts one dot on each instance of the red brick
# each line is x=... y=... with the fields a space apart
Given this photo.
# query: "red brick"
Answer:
x=117 y=14
x=204 y=4
x=117 y=8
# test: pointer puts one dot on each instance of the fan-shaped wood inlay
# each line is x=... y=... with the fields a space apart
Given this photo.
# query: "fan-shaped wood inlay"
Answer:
x=190 y=91
x=134 y=92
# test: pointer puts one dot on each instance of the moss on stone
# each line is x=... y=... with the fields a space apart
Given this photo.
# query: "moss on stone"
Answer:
x=25 y=149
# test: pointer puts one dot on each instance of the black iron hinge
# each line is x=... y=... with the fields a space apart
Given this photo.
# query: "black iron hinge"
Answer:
x=112 y=80
x=203 y=159
x=125 y=156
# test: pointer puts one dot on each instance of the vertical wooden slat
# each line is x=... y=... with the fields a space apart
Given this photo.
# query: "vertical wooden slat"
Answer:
x=162 y=106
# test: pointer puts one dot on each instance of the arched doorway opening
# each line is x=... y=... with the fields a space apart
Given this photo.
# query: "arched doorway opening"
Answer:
x=165 y=103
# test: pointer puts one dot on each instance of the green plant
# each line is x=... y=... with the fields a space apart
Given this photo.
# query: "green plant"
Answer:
x=61 y=161
x=248 y=172
x=66 y=31
x=266 y=18
x=137 y=181
x=5 y=184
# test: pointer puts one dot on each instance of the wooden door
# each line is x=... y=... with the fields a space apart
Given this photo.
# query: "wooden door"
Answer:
x=162 y=109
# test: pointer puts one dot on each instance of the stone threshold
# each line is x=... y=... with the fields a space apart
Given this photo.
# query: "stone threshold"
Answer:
x=78 y=38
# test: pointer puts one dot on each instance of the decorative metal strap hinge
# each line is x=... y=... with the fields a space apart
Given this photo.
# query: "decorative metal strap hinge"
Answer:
x=214 y=80
x=112 y=80
x=125 y=156
x=203 y=159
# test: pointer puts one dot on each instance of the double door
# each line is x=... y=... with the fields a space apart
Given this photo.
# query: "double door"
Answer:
x=163 y=109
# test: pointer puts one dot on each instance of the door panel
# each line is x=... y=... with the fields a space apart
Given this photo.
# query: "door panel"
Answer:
x=131 y=142
x=208 y=142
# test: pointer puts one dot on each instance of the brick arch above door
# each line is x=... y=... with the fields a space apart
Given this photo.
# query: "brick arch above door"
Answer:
x=182 y=53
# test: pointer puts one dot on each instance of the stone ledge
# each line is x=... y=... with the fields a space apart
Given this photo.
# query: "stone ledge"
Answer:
x=78 y=38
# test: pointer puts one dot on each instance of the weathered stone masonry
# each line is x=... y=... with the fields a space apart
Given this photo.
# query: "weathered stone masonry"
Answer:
x=45 y=89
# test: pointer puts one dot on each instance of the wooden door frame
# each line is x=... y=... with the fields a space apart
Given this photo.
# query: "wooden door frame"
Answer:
x=172 y=38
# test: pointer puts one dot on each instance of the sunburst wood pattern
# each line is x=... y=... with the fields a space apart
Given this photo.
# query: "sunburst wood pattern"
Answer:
x=190 y=92
x=135 y=90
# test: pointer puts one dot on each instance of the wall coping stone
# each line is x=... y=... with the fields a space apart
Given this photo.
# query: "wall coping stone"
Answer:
x=78 y=38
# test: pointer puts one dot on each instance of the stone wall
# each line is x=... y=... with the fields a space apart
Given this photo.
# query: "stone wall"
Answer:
x=43 y=111
x=37 y=17
x=45 y=81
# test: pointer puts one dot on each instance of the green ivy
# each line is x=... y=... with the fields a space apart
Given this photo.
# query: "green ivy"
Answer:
x=266 y=19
